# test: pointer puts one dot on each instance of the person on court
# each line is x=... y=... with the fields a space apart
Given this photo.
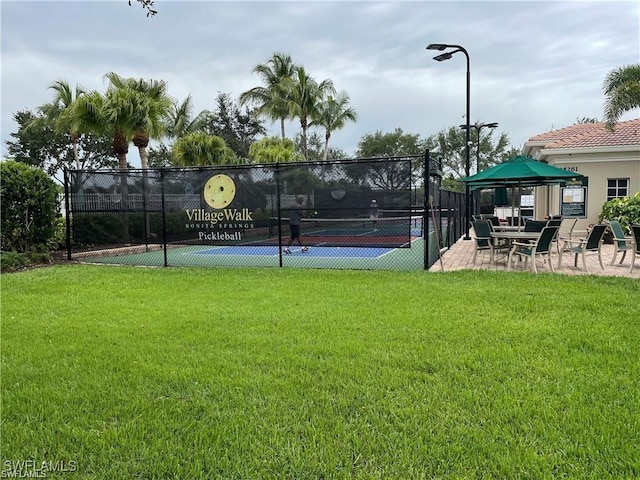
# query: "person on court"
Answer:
x=295 y=219
x=373 y=214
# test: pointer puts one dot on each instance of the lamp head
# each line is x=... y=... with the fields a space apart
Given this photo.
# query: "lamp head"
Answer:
x=437 y=46
x=442 y=57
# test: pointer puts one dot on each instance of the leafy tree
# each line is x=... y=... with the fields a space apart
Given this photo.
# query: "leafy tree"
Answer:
x=394 y=144
x=37 y=143
x=272 y=150
x=622 y=91
x=277 y=75
x=150 y=105
x=238 y=128
x=181 y=121
x=303 y=99
x=200 y=148
x=315 y=146
x=28 y=198
x=449 y=146
x=333 y=114
x=160 y=156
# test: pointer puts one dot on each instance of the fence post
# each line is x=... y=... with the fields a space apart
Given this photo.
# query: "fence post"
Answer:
x=67 y=212
x=425 y=217
x=164 y=218
x=277 y=177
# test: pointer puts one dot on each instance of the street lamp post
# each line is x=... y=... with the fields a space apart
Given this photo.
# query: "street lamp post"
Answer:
x=478 y=127
x=440 y=58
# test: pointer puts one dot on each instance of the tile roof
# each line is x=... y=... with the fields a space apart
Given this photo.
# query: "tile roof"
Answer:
x=591 y=135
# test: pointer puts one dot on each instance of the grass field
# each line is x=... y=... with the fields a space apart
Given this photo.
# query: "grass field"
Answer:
x=125 y=372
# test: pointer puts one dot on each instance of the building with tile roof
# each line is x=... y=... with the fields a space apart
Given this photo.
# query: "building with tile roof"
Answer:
x=610 y=160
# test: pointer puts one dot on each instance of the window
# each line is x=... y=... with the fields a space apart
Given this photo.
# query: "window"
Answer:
x=617 y=187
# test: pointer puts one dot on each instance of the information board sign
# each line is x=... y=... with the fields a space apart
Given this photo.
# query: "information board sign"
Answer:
x=573 y=201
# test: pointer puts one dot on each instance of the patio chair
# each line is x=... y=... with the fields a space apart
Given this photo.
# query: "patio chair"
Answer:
x=556 y=221
x=534 y=225
x=620 y=243
x=540 y=248
x=483 y=239
x=591 y=244
x=635 y=229
x=495 y=221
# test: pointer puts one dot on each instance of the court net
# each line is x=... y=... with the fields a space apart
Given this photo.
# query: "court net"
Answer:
x=389 y=232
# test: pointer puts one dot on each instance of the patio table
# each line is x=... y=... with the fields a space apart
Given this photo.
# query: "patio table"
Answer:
x=512 y=236
x=507 y=228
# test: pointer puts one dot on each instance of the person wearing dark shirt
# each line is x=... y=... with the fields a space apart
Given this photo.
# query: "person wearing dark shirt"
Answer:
x=295 y=219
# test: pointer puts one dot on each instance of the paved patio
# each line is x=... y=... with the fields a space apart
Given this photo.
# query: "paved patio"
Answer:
x=460 y=257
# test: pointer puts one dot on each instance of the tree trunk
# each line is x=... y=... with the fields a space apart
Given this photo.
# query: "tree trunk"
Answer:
x=120 y=148
x=141 y=140
x=327 y=136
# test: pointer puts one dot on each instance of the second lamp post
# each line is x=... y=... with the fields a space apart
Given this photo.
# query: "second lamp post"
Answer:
x=478 y=127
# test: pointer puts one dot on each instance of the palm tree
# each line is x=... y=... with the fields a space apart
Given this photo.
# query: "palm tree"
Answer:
x=150 y=106
x=272 y=150
x=271 y=99
x=304 y=98
x=333 y=114
x=55 y=113
x=200 y=148
x=180 y=120
x=62 y=102
x=108 y=114
x=622 y=90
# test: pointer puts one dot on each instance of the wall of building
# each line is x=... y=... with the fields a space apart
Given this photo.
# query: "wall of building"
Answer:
x=598 y=167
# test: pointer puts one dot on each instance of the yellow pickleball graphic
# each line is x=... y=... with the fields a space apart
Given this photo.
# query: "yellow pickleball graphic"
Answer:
x=219 y=191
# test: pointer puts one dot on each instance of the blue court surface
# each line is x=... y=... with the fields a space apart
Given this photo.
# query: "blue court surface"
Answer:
x=315 y=252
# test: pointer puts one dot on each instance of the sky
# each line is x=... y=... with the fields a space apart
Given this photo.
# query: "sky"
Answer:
x=534 y=66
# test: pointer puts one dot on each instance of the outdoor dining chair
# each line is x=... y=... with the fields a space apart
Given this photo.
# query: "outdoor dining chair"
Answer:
x=483 y=239
x=556 y=221
x=534 y=225
x=635 y=229
x=591 y=244
x=620 y=243
x=540 y=248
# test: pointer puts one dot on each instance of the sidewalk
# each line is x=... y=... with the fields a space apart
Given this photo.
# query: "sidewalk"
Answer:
x=460 y=257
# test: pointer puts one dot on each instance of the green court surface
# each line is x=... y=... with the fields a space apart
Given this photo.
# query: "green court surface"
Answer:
x=357 y=258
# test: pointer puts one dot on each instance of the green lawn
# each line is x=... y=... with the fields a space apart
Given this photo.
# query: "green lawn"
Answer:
x=128 y=372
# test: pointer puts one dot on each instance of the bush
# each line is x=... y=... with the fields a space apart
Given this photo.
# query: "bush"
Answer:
x=30 y=207
x=14 y=261
x=626 y=210
x=59 y=239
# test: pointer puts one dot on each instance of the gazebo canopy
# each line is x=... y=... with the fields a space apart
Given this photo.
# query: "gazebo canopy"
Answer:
x=521 y=171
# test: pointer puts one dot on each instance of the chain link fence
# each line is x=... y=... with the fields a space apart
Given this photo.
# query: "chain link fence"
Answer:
x=352 y=214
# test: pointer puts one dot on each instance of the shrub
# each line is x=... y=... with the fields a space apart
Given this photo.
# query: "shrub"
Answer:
x=626 y=210
x=14 y=261
x=59 y=239
x=29 y=201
